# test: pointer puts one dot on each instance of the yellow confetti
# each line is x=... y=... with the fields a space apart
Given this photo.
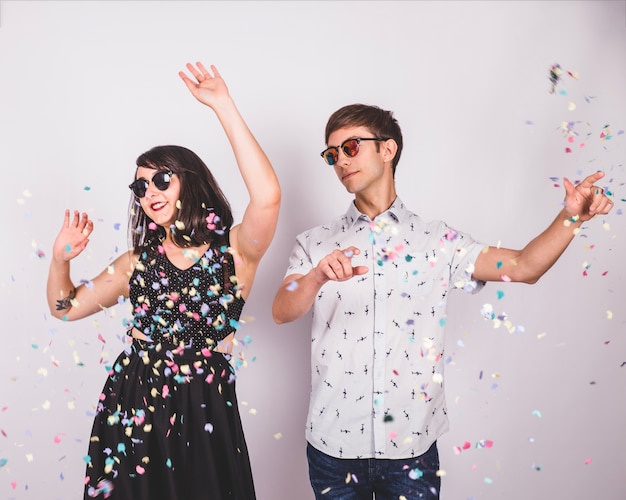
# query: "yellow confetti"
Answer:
x=609 y=315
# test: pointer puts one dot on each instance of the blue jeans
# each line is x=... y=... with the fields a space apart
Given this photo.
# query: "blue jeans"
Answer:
x=367 y=478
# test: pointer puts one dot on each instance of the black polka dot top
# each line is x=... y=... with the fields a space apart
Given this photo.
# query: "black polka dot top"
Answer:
x=195 y=307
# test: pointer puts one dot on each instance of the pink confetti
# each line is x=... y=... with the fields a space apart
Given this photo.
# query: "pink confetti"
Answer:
x=210 y=225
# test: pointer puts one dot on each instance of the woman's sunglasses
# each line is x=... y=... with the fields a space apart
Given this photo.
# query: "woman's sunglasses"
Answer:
x=350 y=148
x=161 y=180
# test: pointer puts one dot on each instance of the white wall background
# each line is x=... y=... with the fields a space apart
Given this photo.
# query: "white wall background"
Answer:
x=86 y=86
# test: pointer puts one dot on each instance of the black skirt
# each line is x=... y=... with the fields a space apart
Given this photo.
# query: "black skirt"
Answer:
x=168 y=426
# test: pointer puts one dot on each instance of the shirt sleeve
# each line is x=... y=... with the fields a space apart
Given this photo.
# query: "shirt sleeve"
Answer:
x=300 y=258
x=465 y=252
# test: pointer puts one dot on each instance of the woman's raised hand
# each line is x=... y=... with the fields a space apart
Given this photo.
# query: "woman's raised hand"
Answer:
x=207 y=88
x=73 y=236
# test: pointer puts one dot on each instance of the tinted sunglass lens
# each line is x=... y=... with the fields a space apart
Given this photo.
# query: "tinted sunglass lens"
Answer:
x=330 y=155
x=162 y=180
x=351 y=147
x=139 y=188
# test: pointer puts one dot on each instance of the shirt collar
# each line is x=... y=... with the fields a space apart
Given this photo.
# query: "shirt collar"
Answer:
x=397 y=211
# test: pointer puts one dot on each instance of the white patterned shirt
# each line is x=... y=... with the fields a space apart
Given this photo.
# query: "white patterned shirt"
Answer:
x=377 y=340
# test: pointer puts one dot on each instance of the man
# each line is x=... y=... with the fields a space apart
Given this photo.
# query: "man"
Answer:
x=377 y=279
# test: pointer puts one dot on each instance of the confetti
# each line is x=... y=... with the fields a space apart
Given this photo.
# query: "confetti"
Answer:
x=555 y=76
x=415 y=474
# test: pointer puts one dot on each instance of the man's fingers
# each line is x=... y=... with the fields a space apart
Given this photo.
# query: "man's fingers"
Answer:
x=590 y=179
x=359 y=270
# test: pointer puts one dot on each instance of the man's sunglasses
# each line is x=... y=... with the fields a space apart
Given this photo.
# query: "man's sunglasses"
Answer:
x=161 y=180
x=350 y=147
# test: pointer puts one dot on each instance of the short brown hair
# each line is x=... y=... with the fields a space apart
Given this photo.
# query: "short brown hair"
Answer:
x=380 y=122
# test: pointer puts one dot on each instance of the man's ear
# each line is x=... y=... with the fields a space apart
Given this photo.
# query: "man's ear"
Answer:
x=389 y=148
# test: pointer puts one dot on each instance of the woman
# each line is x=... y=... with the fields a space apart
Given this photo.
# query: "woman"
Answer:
x=168 y=424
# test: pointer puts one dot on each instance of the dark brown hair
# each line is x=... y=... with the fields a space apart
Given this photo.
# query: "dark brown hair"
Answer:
x=200 y=195
x=380 y=122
